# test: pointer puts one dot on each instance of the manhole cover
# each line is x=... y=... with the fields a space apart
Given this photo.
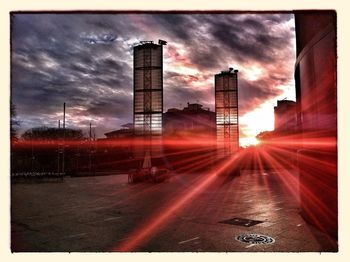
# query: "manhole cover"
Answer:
x=241 y=222
x=255 y=239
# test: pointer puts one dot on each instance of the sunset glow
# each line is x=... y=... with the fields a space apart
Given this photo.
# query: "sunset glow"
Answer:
x=97 y=82
x=253 y=73
x=174 y=131
x=252 y=123
x=248 y=141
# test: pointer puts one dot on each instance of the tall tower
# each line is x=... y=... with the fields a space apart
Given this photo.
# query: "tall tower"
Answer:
x=148 y=88
x=226 y=108
x=148 y=91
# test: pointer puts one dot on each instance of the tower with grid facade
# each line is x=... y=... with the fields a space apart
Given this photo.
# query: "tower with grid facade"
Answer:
x=226 y=108
x=148 y=91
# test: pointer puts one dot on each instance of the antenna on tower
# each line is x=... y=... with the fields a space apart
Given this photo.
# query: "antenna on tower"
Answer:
x=162 y=42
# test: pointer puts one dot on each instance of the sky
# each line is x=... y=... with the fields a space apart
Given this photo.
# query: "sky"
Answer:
x=86 y=60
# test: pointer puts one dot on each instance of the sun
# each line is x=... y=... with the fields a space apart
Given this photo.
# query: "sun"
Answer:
x=248 y=141
x=252 y=123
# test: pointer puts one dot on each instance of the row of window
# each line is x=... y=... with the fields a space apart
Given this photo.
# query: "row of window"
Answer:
x=226 y=99
x=148 y=79
x=148 y=101
x=226 y=82
x=148 y=124
x=148 y=57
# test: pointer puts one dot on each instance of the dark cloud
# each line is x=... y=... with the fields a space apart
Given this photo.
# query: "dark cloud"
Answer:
x=107 y=107
x=99 y=39
x=86 y=61
x=245 y=45
x=252 y=93
x=204 y=59
x=178 y=26
x=179 y=96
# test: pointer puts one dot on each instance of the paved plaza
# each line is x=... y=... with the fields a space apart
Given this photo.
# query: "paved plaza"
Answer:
x=188 y=213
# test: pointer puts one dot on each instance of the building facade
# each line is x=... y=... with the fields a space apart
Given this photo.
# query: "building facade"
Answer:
x=193 y=120
x=148 y=88
x=148 y=98
x=226 y=108
x=316 y=93
x=285 y=116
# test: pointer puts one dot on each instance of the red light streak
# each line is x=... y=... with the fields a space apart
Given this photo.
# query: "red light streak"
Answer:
x=189 y=156
x=278 y=156
x=157 y=220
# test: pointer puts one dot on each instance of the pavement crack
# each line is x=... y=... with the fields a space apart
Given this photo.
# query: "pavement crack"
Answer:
x=188 y=240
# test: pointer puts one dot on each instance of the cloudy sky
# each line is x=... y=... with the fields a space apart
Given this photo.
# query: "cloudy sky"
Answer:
x=86 y=60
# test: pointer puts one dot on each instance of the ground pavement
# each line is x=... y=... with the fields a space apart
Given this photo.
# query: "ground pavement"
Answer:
x=185 y=214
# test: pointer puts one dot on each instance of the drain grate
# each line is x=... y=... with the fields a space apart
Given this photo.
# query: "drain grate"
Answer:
x=255 y=239
x=241 y=222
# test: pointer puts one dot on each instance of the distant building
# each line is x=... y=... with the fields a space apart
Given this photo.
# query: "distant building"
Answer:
x=285 y=116
x=226 y=108
x=191 y=120
x=126 y=131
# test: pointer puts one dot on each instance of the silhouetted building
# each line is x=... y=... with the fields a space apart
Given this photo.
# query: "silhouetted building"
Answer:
x=285 y=116
x=127 y=130
x=191 y=120
x=316 y=93
x=226 y=108
x=148 y=88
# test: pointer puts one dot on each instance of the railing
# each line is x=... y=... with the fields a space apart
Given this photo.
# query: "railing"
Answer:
x=36 y=176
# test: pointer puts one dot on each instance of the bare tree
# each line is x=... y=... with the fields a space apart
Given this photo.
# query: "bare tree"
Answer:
x=14 y=124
